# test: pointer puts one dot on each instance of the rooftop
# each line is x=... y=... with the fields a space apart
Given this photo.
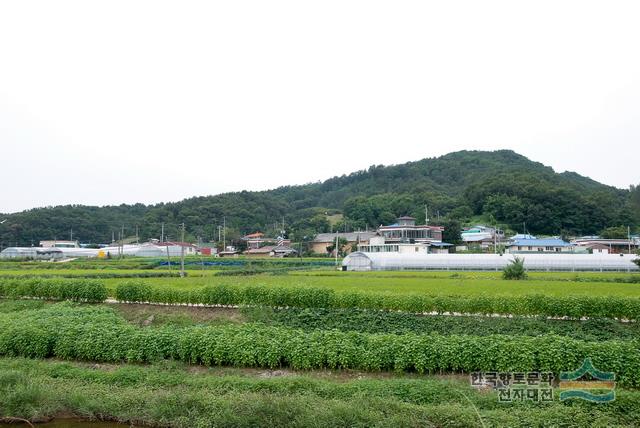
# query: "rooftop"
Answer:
x=545 y=242
x=174 y=244
x=253 y=235
x=349 y=236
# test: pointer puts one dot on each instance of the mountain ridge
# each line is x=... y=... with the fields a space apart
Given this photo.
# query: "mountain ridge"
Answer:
x=501 y=184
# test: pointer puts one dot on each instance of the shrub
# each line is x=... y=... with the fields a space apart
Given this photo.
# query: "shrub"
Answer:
x=132 y=291
x=78 y=290
x=515 y=270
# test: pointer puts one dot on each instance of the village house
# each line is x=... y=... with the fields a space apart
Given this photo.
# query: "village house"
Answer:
x=258 y=240
x=403 y=236
x=271 y=251
x=522 y=244
x=613 y=246
x=482 y=237
x=322 y=241
x=405 y=230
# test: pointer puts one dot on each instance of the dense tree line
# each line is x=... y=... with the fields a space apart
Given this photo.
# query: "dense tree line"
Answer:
x=502 y=185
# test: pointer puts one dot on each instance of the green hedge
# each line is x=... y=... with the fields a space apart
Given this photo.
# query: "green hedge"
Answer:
x=97 y=334
x=78 y=290
x=573 y=307
x=105 y=274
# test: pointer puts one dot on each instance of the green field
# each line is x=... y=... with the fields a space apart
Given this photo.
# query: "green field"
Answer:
x=409 y=284
x=297 y=345
x=432 y=283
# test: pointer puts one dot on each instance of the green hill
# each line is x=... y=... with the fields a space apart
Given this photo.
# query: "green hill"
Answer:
x=502 y=184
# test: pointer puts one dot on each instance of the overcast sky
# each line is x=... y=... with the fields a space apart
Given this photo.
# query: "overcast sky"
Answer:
x=148 y=101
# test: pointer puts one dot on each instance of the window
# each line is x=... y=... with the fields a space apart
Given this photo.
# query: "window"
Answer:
x=548 y=248
x=416 y=249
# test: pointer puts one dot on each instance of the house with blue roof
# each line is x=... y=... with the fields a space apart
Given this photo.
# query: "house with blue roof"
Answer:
x=522 y=244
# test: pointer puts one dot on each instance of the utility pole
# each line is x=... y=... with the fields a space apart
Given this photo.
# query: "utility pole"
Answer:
x=426 y=215
x=336 y=249
x=162 y=234
x=629 y=237
x=113 y=236
x=137 y=236
x=182 y=253
x=224 y=234
x=168 y=259
x=71 y=235
x=122 y=242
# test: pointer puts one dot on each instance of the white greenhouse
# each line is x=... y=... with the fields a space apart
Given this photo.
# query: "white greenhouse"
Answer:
x=360 y=261
x=34 y=253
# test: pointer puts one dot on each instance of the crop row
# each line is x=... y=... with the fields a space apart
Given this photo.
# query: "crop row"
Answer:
x=104 y=274
x=367 y=321
x=95 y=334
x=574 y=307
x=77 y=290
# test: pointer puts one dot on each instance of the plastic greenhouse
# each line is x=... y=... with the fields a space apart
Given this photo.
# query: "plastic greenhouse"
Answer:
x=360 y=261
x=35 y=253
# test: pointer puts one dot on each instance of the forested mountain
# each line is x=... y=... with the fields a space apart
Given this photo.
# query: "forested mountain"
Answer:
x=500 y=185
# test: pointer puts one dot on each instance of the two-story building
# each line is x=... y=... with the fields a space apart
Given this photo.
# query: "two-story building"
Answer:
x=405 y=230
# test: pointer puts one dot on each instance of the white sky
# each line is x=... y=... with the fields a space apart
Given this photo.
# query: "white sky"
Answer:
x=147 y=101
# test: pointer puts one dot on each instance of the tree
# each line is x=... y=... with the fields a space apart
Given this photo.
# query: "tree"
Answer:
x=515 y=270
x=618 y=232
x=342 y=247
x=452 y=230
x=463 y=213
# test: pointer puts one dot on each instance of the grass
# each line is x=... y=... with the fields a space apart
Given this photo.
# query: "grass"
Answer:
x=147 y=315
x=171 y=394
